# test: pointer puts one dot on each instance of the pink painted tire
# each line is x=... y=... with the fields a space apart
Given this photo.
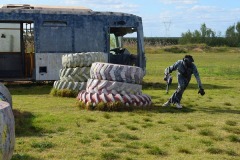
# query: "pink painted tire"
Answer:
x=112 y=87
x=95 y=98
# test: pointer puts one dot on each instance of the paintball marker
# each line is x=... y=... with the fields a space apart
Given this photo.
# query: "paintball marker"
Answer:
x=168 y=79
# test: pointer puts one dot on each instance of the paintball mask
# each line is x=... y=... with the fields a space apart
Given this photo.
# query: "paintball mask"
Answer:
x=188 y=60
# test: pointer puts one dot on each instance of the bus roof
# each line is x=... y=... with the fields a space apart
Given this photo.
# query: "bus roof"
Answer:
x=44 y=7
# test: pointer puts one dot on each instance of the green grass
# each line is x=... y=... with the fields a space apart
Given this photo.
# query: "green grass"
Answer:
x=215 y=150
x=53 y=128
x=157 y=151
x=41 y=146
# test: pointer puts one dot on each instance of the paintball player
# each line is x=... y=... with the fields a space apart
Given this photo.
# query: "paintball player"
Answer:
x=185 y=69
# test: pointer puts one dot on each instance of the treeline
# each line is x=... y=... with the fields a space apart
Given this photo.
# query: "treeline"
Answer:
x=209 y=37
x=203 y=36
x=154 y=41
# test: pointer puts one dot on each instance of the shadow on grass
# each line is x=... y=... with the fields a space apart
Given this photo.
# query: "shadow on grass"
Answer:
x=216 y=110
x=160 y=109
x=24 y=124
x=157 y=86
x=23 y=157
x=29 y=88
x=188 y=109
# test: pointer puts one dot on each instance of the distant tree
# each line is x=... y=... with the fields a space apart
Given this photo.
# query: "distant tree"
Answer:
x=204 y=35
x=230 y=32
x=238 y=32
x=208 y=36
x=232 y=35
x=186 y=37
x=207 y=32
x=196 y=36
x=203 y=30
x=238 y=28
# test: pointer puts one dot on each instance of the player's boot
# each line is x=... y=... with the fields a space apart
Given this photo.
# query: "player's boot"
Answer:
x=166 y=104
x=178 y=105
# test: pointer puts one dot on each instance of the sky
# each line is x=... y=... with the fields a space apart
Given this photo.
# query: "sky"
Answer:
x=162 y=18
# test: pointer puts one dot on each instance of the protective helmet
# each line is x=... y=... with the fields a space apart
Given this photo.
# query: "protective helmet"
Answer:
x=188 y=60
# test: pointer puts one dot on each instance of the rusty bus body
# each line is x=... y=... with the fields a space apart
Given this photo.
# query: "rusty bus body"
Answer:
x=33 y=38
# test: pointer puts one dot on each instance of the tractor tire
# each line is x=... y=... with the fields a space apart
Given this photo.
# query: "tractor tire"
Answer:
x=83 y=59
x=76 y=86
x=112 y=87
x=115 y=72
x=95 y=98
x=7 y=131
x=78 y=74
x=5 y=94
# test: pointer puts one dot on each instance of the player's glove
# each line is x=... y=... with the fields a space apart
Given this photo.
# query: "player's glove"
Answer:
x=201 y=91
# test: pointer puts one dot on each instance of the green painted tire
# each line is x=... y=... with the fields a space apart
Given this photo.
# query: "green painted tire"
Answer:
x=78 y=74
x=76 y=86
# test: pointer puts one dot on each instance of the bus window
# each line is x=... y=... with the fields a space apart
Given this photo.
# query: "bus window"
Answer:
x=113 y=41
x=10 y=37
x=123 y=45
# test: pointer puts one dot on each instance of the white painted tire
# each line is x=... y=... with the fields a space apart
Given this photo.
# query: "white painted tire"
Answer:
x=112 y=87
x=76 y=86
x=84 y=59
x=116 y=72
x=95 y=98
x=78 y=74
x=5 y=94
x=7 y=131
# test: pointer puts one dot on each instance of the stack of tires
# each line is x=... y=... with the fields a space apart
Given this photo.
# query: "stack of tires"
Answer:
x=76 y=70
x=7 y=124
x=114 y=83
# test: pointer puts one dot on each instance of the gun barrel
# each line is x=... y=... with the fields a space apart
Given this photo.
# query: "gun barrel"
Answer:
x=167 y=88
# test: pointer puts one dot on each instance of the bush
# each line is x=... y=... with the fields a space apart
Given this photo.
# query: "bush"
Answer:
x=63 y=92
x=109 y=107
x=152 y=41
x=175 y=49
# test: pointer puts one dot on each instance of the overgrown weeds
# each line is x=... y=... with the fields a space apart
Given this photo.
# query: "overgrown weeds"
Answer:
x=109 y=106
x=175 y=49
x=63 y=92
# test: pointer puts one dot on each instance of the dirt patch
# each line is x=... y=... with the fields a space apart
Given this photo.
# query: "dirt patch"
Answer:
x=198 y=50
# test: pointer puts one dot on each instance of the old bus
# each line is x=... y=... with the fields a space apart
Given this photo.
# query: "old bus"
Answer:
x=34 y=38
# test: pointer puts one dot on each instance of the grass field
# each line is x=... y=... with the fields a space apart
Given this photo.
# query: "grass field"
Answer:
x=208 y=127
